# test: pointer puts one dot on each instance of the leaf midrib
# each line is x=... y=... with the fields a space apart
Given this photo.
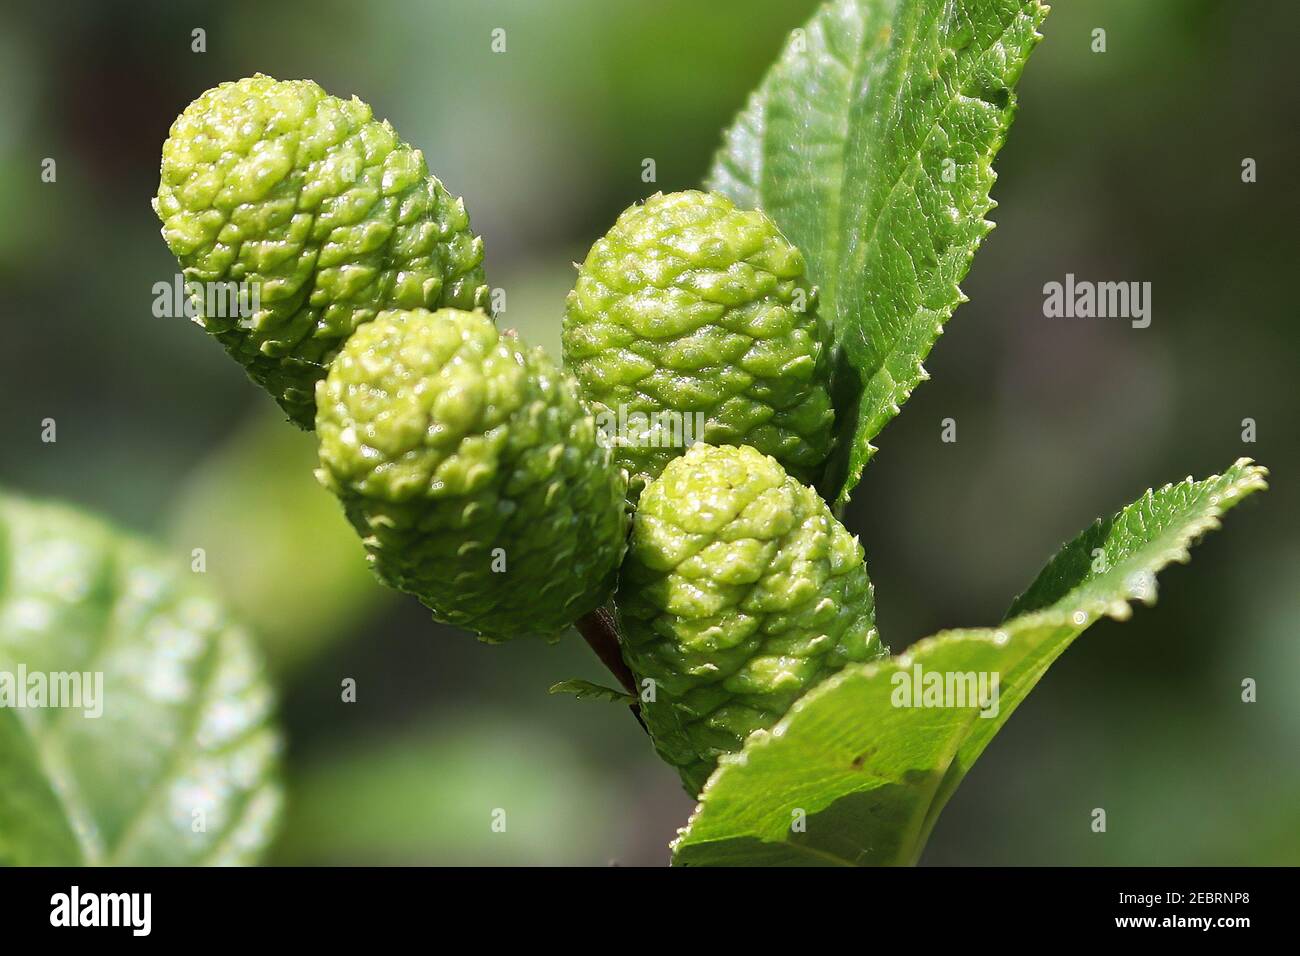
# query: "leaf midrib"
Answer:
x=51 y=756
x=52 y=762
x=835 y=215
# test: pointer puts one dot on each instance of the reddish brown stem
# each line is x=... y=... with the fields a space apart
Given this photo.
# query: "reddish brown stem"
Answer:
x=601 y=633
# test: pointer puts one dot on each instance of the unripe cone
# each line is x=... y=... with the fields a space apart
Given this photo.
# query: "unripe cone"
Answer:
x=740 y=591
x=472 y=471
x=690 y=306
x=322 y=213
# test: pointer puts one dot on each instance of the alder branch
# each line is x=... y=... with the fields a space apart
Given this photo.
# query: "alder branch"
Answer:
x=601 y=633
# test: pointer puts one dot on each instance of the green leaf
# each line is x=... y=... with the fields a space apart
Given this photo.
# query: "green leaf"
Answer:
x=871 y=773
x=871 y=143
x=586 y=690
x=168 y=756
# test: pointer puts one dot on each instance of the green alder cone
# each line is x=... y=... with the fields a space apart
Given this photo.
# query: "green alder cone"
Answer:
x=740 y=591
x=692 y=307
x=473 y=472
x=320 y=213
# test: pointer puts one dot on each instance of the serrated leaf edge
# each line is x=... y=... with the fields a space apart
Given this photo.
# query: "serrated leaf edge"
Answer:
x=1035 y=10
x=1253 y=478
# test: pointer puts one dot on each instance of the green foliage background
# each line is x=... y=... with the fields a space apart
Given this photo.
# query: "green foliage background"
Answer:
x=1123 y=165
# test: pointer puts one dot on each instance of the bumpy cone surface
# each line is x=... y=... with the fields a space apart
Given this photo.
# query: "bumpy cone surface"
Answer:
x=322 y=210
x=740 y=591
x=692 y=307
x=472 y=471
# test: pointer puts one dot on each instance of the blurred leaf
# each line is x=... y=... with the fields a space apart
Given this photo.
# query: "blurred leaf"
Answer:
x=180 y=725
x=285 y=557
x=586 y=690
x=872 y=774
x=871 y=143
x=433 y=795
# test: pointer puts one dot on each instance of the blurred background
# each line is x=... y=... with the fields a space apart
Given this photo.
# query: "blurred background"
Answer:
x=1123 y=166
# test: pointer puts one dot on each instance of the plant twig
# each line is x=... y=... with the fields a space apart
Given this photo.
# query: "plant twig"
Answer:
x=601 y=633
